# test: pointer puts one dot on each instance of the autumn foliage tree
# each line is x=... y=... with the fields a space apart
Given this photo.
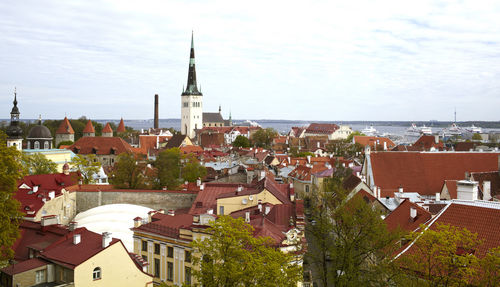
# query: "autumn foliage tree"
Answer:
x=232 y=256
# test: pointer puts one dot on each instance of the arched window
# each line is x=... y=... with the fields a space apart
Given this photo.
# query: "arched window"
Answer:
x=37 y=145
x=46 y=145
x=97 y=273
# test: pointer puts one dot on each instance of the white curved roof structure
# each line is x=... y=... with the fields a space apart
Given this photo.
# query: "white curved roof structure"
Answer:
x=114 y=218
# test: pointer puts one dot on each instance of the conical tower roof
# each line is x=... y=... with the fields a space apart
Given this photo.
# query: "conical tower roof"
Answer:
x=121 y=127
x=89 y=128
x=65 y=127
x=107 y=128
x=192 y=86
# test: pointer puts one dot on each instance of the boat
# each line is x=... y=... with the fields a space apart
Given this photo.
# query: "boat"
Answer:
x=453 y=130
x=474 y=129
x=369 y=131
x=425 y=130
x=414 y=131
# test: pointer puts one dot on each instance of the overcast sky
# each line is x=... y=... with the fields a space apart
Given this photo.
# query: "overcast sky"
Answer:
x=307 y=60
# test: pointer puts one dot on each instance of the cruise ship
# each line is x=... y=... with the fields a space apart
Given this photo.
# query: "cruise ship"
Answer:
x=414 y=131
x=369 y=131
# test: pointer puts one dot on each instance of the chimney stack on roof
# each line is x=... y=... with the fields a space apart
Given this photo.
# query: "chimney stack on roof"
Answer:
x=239 y=189
x=49 y=220
x=247 y=216
x=438 y=196
x=72 y=226
x=156 y=112
x=137 y=221
x=171 y=212
x=76 y=238
x=198 y=182
x=400 y=189
x=467 y=190
x=106 y=239
x=486 y=190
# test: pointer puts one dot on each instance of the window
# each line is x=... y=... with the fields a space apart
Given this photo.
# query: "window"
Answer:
x=186 y=104
x=96 y=275
x=40 y=276
x=187 y=255
x=307 y=188
x=157 y=248
x=157 y=267
x=221 y=210
x=37 y=145
x=170 y=252
x=46 y=145
x=144 y=245
x=145 y=258
x=170 y=271
x=187 y=274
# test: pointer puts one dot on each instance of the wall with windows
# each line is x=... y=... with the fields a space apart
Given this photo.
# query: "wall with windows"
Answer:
x=63 y=206
x=114 y=268
x=231 y=204
x=30 y=277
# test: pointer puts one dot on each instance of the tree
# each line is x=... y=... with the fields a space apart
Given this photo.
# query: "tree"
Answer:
x=489 y=269
x=351 y=136
x=441 y=257
x=64 y=143
x=477 y=137
x=38 y=163
x=241 y=141
x=349 y=243
x=169 y=167
x=87 y=165
x=192 y=169
x=231 y=256
x=10 y=173
x=128 y=173
x=264 y=137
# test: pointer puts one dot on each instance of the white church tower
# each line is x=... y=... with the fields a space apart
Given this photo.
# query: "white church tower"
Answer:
x=191 y=101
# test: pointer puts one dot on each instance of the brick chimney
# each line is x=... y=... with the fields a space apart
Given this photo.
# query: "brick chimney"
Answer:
x=486 y=190
x=156 y=112
x=467 y=190
x=106 y=239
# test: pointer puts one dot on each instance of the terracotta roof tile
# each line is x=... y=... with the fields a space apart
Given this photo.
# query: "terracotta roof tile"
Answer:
x=100 y=146
x=400 y=217
x=24 y=266
x=374 y=141
x=316 y=128
x=121 y=127
x=107 y=128
x=89 y=128
x=65 y=127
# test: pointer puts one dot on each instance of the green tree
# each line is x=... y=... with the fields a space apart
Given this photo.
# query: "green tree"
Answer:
x=477 y=137
x=349 y=243
x=241 y=141
x=263 y=137
x=489 y=269
x=128 y=173
x=351 y=136
x=192 y=169
x=441 y=257
x=169 y=167
x=64 y=143
x=10 y=173
x=38 y=163
x=232 y=256
x=87 y=165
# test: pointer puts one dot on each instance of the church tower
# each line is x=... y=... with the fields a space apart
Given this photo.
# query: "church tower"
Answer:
x=191 y=101
x=14 y=131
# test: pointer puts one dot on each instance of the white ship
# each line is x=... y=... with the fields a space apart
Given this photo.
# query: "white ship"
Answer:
x=452 y=130
x=414 y=131
x=369 y=131
x=474 y=129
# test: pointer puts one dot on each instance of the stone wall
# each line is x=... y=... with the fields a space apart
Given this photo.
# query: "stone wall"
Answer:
x=155 y=199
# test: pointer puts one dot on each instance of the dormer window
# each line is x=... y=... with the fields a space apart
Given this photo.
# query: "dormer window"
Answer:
x=94 y=150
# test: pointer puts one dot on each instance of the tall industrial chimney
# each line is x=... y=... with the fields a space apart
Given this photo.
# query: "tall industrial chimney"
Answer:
x=156 y=112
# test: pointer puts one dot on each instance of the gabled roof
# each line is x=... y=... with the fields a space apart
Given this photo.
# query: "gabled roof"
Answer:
x=315 y=128
x=426 y=142
x=65 y=127
x=175 y=141
x=100 y=146
x=107 y=129
x=121 y=127
x=425 y=172
x=400 y=217
x=166 y=225
x=212 y=118
x=351 y=182
x=451 y=186
x=89 y=128
x=24 y=266
x=192 y=149
x=374 y=141
x=476 y=216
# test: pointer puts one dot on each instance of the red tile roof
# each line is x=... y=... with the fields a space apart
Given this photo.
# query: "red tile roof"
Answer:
x=107 y=128
x=374 y=141
x=194 y=149
x=315 y=128
x=89 y=128
x=426 y=142
x=65 y=127
x=166 y=225
x=71 y=255
x=493 y=177
x=121 y=127
x=477 y=217
x=100 y=146
x=24 y=266
x=425 y=172
x=400 y=217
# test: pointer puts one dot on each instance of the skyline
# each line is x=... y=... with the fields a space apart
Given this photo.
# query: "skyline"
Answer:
x=314 y=61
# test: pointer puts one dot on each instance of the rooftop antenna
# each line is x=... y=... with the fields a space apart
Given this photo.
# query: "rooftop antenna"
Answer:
x=455 y=114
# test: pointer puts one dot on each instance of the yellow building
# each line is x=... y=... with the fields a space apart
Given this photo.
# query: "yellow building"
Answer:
x=59 y=156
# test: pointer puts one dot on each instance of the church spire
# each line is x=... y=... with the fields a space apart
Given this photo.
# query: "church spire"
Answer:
x=192 y=87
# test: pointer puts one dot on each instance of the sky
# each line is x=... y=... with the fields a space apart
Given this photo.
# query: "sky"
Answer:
x=297 y=60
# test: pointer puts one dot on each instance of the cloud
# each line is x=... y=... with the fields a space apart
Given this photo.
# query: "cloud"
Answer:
x=318 y=60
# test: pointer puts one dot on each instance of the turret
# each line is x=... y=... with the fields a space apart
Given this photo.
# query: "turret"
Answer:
x=14 y=131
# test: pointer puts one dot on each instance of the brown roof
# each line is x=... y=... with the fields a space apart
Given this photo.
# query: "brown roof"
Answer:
x=175 y=141
x=374 y=141
x=315 y=128
x=107 y=128
x=351 y=182
x=426 y=142
x=451 y=186
x=100 y=146
x=493 y=177
x=400 y=217
x=425 y=172
x=121 y=127
x=65 y=127
x=89 y=128
x=209 y=139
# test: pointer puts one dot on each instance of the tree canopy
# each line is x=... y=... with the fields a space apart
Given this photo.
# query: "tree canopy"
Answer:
x=38 y=163
x=264 y=137
x=88 y=165
x=173 y=168
x=10 y=173
x=232 y=256
x=241 y=141
x=129 y=173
